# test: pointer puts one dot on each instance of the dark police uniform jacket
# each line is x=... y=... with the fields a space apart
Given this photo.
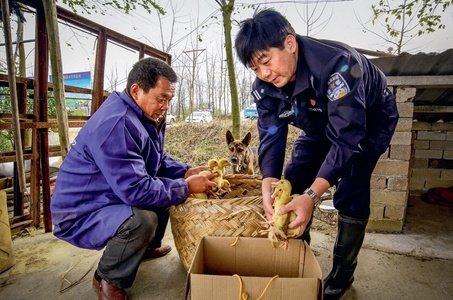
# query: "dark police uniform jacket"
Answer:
x=339 y=97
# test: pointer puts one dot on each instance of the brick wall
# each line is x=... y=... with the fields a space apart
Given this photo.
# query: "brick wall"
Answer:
x=432 y=162
x=390 y=179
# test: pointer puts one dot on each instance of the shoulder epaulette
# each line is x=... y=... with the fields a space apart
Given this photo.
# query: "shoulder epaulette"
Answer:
x=258 y=94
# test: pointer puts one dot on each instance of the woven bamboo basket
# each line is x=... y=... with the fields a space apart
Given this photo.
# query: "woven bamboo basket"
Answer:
x=238 y=213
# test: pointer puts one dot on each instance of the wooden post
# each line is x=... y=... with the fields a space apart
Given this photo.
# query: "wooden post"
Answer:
x=40 y=113
x=13 y=95
x=99 y=69
x=50 y=13
x=50 y=10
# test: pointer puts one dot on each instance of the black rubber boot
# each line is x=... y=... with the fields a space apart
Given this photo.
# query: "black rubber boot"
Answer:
x=351 y=233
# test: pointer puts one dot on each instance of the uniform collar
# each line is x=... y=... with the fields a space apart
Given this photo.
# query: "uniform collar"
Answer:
x=302 y=73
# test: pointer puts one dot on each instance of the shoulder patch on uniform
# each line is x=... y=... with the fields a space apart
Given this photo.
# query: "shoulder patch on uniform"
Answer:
x=338 y=87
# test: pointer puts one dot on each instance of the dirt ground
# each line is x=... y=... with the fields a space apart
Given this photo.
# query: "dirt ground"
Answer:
x=417 y=264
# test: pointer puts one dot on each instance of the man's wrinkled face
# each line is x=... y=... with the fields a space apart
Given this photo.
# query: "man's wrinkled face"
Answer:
x=156 y=102
x=277 y=66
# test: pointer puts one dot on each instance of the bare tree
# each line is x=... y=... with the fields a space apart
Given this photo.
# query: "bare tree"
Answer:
x=210 y=81
x=315 y=20
x=167 y=23
x=194 y=54
x=113 y=79
x=181 y=65
x=222 y=80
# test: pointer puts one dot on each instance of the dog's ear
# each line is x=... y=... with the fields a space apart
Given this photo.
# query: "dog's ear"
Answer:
x=229 y=137
x=246 y=139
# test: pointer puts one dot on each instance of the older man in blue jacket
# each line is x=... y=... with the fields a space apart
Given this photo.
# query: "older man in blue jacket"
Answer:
x=116 y=183
x=347 y=117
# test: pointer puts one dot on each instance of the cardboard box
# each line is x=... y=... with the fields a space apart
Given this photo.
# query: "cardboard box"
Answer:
x=256 y=262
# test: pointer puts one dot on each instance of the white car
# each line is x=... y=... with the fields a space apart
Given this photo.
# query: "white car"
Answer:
x=171 y=119
x=200 y=116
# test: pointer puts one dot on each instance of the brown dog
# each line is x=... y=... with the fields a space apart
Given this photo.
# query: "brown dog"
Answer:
x=244 y=159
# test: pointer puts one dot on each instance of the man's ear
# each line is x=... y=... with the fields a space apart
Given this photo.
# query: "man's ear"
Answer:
x=133 y=91
x=291 y=42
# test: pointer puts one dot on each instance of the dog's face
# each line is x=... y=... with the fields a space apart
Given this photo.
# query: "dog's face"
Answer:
x=237 y=149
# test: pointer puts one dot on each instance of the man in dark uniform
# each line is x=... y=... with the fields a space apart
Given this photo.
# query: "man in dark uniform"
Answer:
x=347 y=116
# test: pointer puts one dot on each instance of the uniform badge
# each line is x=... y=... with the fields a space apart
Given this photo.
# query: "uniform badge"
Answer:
x=338 y=87
x=286 y=114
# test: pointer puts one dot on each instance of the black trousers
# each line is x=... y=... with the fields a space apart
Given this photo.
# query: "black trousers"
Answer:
x=352 y=195
x=124 y=251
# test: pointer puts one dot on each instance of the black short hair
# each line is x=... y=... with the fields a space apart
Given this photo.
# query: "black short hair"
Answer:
x=266 y=29
x=147 y=71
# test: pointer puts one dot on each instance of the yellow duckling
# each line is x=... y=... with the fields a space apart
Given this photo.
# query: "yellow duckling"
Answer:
x=202 y=195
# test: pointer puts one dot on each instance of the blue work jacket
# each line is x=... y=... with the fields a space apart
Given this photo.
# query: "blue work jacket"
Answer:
x=116 y=162
x=339 y=99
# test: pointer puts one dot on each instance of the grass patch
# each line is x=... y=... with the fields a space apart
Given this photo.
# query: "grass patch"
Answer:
x=195 y=144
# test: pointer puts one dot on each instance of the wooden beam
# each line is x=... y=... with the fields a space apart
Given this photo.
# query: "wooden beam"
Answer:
x=10 y=156
x=30 y=117
x=41 y=125
x=93 y=27
x=111 y=35
x=50 y=86
x=4 y=81
x=26 y=117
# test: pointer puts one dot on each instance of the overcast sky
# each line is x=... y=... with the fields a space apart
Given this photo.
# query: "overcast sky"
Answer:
x=344 y=24
x=340 y=20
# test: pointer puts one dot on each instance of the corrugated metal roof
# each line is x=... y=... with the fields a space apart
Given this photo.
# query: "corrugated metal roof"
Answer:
x=423 y=64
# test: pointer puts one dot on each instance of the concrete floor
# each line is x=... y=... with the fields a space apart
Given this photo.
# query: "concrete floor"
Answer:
x=417 y=264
